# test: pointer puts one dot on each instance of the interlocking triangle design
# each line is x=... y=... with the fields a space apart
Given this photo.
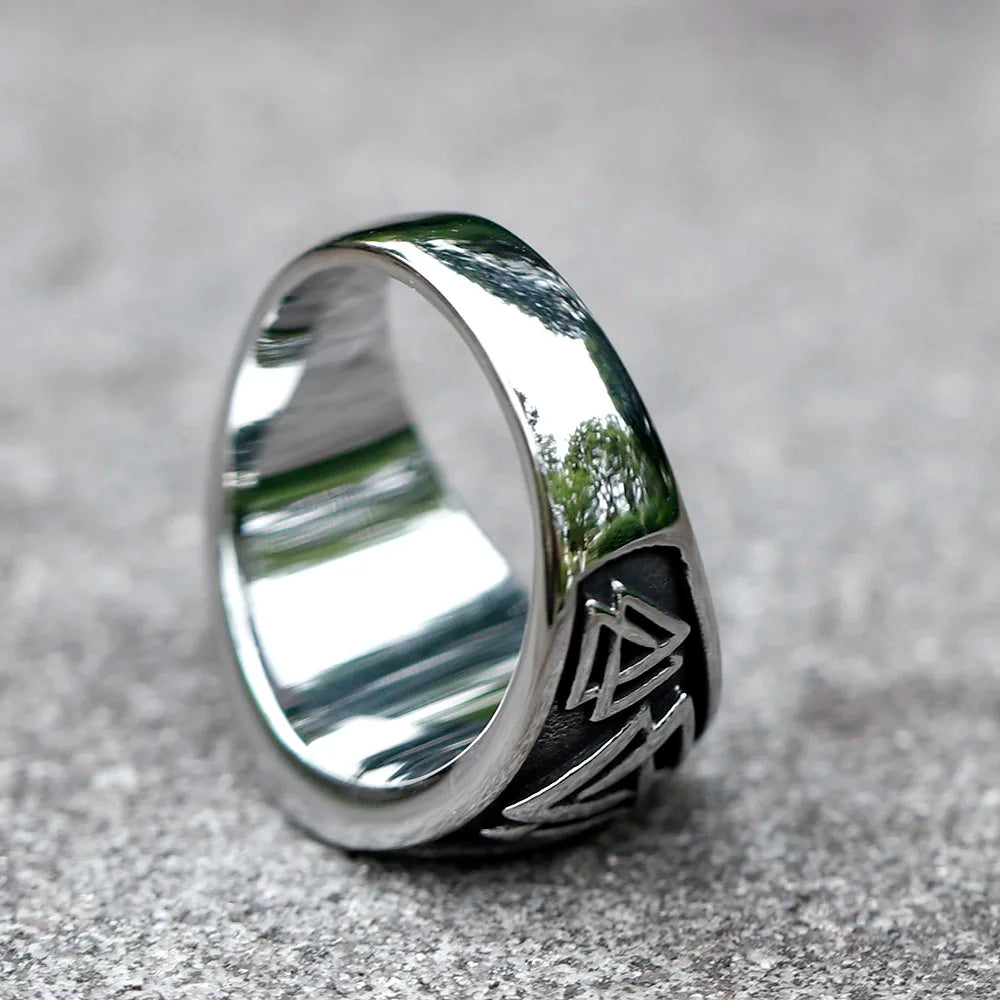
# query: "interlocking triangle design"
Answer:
x=599 y=681
x=597 y=789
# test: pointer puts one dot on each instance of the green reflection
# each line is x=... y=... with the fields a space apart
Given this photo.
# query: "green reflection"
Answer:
x=604 y=489
x=610 y=483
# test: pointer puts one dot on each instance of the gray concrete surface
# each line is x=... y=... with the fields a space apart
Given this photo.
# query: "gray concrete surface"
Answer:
x=787 y=217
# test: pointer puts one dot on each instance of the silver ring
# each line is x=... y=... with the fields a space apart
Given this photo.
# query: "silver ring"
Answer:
x=400 y=688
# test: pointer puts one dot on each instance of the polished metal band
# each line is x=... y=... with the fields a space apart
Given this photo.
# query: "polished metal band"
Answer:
x=401 y=688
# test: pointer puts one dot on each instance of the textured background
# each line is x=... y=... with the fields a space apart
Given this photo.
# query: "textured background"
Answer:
x=786 y=215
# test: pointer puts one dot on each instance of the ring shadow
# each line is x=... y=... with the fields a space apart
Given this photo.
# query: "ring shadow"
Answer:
x=677 y=827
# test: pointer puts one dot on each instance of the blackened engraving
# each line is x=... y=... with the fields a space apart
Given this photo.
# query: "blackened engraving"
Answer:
x=629 y=650
x=633 y=697
x=611 y=778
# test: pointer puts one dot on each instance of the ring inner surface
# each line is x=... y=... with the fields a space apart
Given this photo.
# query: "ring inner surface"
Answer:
x=389 y=625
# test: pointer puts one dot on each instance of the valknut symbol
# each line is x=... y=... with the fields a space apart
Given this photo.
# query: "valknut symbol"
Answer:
x=629 y=650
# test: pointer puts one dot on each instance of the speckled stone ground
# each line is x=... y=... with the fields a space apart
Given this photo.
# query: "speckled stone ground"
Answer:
x=787 y=217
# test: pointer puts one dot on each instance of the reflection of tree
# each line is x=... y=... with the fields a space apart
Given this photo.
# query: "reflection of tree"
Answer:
x=603 y=489
x=611 y=484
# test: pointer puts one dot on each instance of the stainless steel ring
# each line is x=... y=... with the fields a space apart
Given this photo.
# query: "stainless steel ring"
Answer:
x=401 y=689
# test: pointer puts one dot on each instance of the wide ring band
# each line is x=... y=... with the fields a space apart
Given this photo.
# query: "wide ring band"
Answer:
x=400 y=688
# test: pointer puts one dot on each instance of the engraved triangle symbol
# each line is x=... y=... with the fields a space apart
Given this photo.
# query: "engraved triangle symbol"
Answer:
x=596 y=789
x=629 y=649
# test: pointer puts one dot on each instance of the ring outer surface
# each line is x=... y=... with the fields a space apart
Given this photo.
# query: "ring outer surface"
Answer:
x=519 y=317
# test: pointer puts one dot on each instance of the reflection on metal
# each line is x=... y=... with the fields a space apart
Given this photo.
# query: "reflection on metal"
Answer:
x=610 y=671
x=388 y=623
x=393 y=673
x=610 y=779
